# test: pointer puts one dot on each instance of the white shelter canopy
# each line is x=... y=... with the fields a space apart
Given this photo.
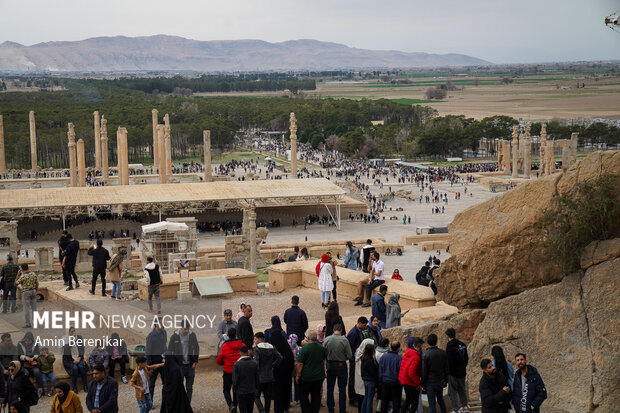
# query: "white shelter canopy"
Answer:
x=165 y=226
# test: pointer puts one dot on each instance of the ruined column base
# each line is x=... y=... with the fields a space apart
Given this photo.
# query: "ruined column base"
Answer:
x=184 y=296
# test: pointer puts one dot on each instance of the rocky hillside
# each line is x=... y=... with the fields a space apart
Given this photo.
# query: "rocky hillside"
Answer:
x=174 y=53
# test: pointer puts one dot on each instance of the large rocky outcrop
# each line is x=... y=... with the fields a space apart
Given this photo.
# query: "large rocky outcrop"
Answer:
x=493 y=244
x=568 y=330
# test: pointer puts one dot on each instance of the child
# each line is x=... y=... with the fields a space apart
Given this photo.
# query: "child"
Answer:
x=46 y=365
x=99 y=356
x=140 y=382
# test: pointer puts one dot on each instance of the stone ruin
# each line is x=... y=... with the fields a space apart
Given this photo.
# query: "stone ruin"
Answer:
x=8 y=232
x=169 y=248
x=242 y=251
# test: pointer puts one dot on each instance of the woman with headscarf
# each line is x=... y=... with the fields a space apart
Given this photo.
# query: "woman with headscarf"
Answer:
x=393 y=314
x=174 y=397
x=332 y=317
x=358 y=383
x=17 y=407
x=115 y=271
x=283 y=373
x=375 y=330
x=276 y=327
x=65 y=400
x=502 y=365
x=292 y=343
x=19 y=387
x=73 y=359
x=324 y=271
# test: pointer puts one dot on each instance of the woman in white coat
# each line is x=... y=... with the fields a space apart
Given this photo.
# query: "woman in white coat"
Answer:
x=326 y=285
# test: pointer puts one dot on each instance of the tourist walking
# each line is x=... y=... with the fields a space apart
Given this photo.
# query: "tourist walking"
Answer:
x=63 y=241
x=296 y=320
x=29 y=352
x=222 y=329
x=73 y=358
x=173 y=395
x=529 y=391
x=69 y=260
x=228 y=356
x=156 y=345
x=295 y=348
x=434 y=374
x=335 y=277
x=100 y=262
x=310 y=374
x=19 y=387
x=356 y=336
x=389 y=368
x=494 y=389
x=394 y=313
x=245 y=330
x=324 y=271
x=502 y=365
x=369 y=373
x=283 y=373
x=378 y=305
x=115 y=272
x=184 y=345
x=117 y=351
x=29 y=283
x=8 y=275
x=245 y=381
x=140 y=382
x=333 y=317
x=267 y=359
x=152 y=273
x=276 y=328
x=351 y=257
x=410 y=373
x=65 y=400
x=102 y=394
x=338 y=352
x=456 y=351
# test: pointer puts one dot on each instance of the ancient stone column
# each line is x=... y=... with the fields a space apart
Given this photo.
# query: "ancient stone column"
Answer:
x=33 y=143
x=293 y=129
x=526 y=152
x=500 y=155
x=154 y=113
x=206 y=139
x=123 y=159
x=163 y=178
x=252 y=238
x=104 y=149
x=81 y=163
x=97 y=140
x=72 y=155
x=571 y=151
x=506 y=165
x=543 y=150
x=515 y=150
x=2 y=159
x=168 y=141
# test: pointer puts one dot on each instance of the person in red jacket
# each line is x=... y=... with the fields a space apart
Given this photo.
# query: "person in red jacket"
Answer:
x=410 y=373
x=229 y=354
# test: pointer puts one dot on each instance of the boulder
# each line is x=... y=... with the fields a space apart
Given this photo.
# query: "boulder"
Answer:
x=464 y=323
x=569 y=332
x=599 y=251
x=493 y=244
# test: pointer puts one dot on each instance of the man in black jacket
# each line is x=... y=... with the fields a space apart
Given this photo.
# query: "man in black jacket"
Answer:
x=245 y=331
x=494 y=390
x=63 y=241
x=245 y=381
x=434 y=374
x=184 y=345
x=456 y=351
x=70 y=259
x=102 y=394
x=100 y=262
x=529 y=391
x=267 y=358
x=296 y=320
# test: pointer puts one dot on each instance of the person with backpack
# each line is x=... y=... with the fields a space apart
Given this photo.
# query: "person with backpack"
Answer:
x=152 y=273
x=351 y=257
x=456 y=351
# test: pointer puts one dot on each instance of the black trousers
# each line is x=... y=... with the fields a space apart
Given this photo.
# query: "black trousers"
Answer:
x=120 y=361
x=71 y=273
x=369 y=287
x=153 y=379
x=266 y=389
x=411 y=399
x=351 y=388
x=391 y=391
x=227 y=387
x=312 y=389
x=246 y=403
x=98 y=272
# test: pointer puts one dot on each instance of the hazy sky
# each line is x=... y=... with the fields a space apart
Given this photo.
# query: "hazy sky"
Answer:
x=500 y=31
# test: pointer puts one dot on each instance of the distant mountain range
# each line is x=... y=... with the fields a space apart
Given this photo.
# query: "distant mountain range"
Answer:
x=173 y=53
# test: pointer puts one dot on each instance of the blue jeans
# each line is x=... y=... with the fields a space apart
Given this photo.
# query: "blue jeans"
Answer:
x=146 y=405
x=116 y=289
x=50 y=376
x=337 y=371
x=369 y=395
x=78 y=369
x=324 y=296
x=435 y=391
